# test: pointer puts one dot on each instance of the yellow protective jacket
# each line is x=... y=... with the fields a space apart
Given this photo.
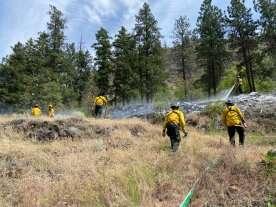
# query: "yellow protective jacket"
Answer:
x=51 y=113
x=36 y=112
x=100 y=101
x=240 y=81
x=175 y=117
x=232 y=116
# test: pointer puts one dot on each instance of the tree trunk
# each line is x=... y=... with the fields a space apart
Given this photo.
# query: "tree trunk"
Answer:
x=251 y=72
x=141 y=85
x=183 y=65
x=209 y=79
x=214 y=84
x=252 y=78
x=184 y=74
x=245 y=60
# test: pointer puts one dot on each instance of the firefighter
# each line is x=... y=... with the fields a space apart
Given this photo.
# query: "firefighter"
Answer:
x=36 y=111
x=234 y=120
x=51 y=111
x=239 y=84
x=174 y=122
x=100 y=102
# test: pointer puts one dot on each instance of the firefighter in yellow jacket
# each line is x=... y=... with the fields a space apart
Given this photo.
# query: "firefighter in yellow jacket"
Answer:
x=174 y=122
x=234 y=120
x=36 y=111
x=51 y=111
x=239 y=85
x=100 y=102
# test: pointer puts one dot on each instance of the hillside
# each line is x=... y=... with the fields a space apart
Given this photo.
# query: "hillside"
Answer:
x=127 y=163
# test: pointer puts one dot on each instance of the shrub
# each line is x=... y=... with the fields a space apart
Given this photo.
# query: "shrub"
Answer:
x=214 y=109
x=265 y=85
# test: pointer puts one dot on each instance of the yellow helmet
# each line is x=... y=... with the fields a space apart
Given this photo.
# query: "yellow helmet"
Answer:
x=50 y=106
x=36 y=105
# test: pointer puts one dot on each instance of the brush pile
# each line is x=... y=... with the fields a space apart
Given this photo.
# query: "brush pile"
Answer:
x=70 y=128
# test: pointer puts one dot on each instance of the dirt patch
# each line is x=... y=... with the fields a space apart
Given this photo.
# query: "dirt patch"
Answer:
x=102 y=130
x=164 y=192
x=137 y=131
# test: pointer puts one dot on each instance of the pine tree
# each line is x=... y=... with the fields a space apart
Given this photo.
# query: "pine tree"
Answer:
x=267 y=9
x=150 y=63
x=56 y=29
x=103 y=61
x=181 y=42
x=32 y=74
x=14 y=77
x=84 y=69
x=62 y=60
x=43 y=70
x=124 y=54
x=211 y=50
x=56 y=41
x=68 y=75
x=49 y=90
x=243 y=36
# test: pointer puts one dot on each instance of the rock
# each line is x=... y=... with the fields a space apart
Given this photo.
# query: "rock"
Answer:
x=254 y=94
x=74 y=132
x=193 y=119
x=103 y=131
x=137 y=131
x=204 y=123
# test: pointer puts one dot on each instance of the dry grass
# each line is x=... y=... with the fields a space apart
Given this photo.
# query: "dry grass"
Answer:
x=133 y=166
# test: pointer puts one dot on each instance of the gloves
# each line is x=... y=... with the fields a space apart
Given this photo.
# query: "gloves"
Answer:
x=245 y=125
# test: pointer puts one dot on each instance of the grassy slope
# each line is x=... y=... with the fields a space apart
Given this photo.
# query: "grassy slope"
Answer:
x=129 y=170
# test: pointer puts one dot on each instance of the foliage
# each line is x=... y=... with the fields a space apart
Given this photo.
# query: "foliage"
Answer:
x=124 y=83
x=181 y=48
x=266 y=85
x=150 y=69
x=103 y=61
x=84 y=69
x=243 y=36
x=268 y=163
x=229 y=78
x=45 y=70
x=213 y=110
x=49 y=69
x=267 y=9
x=211 y=49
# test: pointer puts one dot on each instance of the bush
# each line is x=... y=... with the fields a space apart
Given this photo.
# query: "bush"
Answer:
x=266 y=85
x=269 y=163
x=214 y=109
x=229 y=78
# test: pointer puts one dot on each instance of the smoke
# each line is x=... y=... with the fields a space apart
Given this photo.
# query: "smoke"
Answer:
x=222 y=96
x=137 y=109
x=70 y=114
x=5 y=109
x=142 y=109
x=132 y=110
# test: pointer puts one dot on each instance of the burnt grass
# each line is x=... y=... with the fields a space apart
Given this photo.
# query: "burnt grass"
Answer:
x=71 y=128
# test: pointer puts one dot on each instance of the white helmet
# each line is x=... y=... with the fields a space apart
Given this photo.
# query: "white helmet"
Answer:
x=175 y=104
